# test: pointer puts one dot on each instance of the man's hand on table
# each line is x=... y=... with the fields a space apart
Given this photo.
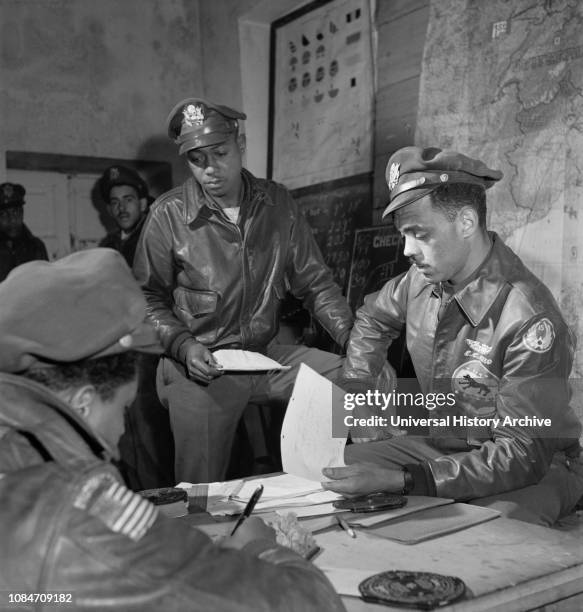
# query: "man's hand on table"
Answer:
x=201 y=364
x=362 y=479
x=252 y=528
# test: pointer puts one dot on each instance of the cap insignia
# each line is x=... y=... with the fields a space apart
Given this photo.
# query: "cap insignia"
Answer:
x=443 y=178
x=114 y=174
x=193 y=115
x=394 y=175
x=8 y=191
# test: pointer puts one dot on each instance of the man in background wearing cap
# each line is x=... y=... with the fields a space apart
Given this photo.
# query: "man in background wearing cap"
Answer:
x=215 y=260
x=70 y=528
x=126 y=196
x=17 y=243
x=481 y=328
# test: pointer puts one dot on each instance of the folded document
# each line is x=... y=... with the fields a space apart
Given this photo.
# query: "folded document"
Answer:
x=246 y=361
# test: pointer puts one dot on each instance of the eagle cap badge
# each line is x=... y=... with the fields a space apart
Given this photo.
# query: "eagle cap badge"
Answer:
x=394 y=175
x=193 y=114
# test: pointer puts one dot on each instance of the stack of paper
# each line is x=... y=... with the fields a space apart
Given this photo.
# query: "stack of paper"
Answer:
x=279 y=492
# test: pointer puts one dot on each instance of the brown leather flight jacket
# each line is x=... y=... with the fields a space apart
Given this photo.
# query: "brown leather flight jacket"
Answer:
x=502 y=349
x=220 y=283
x=70 y=526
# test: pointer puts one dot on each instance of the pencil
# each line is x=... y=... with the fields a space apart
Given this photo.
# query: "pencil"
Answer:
x=249 y=507
x=346 y=527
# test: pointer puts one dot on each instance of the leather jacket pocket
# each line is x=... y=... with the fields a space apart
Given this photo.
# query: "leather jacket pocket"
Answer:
x=197 y=309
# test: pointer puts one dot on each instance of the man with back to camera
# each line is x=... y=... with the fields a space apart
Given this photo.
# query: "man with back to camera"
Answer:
x=482 y=327
x=126 y=196
x=17 y=243
x=70 y=528
x=215 y=260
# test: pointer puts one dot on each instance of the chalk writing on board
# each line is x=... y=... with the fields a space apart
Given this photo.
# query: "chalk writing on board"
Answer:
x=334 y=211
x=376 y=258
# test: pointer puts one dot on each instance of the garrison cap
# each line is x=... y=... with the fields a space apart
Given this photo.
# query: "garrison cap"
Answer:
x=414 y=172
x=83 y=306
x=195 y=123
x=11 y=194
x=122 y=175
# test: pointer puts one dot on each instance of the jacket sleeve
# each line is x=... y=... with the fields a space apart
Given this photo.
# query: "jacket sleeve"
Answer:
x=175 y=567
x=41 y=250
x=312 y=282
x=378 y=322
x=534 y=384
x=155 y=271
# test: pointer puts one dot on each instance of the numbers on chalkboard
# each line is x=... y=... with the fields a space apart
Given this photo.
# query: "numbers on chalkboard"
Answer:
x=334 y=212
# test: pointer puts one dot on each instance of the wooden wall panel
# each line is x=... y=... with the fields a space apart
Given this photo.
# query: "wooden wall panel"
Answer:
x=389 y=10
x=402 y=27
x=400 y=47
x=396 y=119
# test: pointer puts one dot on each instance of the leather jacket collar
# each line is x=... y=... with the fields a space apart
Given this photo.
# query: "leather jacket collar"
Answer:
x=26 y=405
x=195 y=200
x=496 y=272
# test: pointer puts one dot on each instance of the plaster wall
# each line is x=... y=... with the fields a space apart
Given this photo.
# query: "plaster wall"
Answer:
x=235 y=47
x=80 y=77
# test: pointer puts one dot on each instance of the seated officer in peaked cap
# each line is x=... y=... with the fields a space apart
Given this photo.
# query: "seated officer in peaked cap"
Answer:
x=481 y=328
x=126 y=196
x=215 y=260
x=69 y=525
x=17 y=243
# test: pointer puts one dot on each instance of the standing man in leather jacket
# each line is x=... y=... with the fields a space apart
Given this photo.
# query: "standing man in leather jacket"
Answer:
x=215 y=260
x=481 y=328
x=69 y=332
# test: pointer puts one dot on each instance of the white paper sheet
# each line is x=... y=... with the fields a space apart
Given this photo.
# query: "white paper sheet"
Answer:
x=278 y=487
x=248 y=361
x=307 y=444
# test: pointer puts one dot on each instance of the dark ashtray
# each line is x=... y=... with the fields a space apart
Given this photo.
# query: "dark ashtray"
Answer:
x=410 y=589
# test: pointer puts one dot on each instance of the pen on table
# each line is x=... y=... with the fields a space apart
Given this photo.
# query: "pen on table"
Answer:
x=346 y=527
x=249 y=507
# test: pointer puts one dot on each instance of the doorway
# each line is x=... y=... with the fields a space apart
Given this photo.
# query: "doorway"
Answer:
x=63 y=206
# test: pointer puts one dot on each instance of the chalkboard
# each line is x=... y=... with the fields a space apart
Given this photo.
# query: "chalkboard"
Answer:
x=334 y=211
x=377 y=257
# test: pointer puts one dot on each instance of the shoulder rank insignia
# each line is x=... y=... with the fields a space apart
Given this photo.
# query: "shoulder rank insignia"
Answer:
x=193 y=115
x=394 y=174
x=540 y=336
x=120 y=509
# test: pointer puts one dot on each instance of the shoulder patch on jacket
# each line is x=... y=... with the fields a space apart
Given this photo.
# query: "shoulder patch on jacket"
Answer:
x=540 y=336
x=120 y=509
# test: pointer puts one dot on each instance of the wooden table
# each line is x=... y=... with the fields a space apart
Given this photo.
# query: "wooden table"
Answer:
x=507 y=565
